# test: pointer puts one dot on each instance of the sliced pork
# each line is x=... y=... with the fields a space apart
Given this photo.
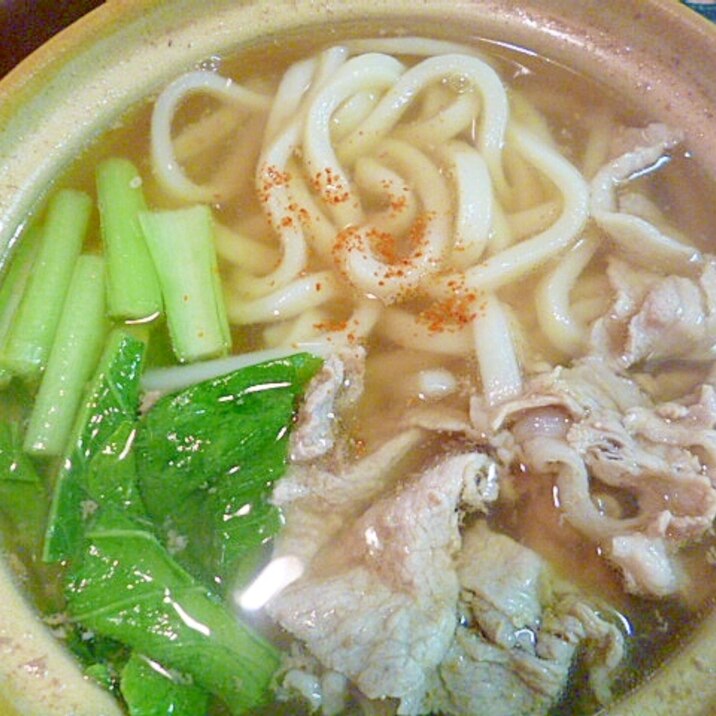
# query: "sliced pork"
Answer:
x=339 y=383
x=595 y=431
x=378 y=603
x=639 y=240
x=318 y=499
x=512 y=654
x=654 y=318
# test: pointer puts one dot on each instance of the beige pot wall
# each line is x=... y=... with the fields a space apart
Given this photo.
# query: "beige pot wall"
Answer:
x=659 y=53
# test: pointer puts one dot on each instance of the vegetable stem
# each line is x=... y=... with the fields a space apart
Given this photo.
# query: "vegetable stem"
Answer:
x=12 y=287
x=75 y=351
x=182 y=247
x=132 y=286
x=33 y=329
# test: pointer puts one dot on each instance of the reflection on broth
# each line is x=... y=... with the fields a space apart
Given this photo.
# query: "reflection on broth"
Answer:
x=378 y=382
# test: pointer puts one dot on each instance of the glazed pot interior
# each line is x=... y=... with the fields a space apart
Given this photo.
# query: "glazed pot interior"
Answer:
x=654 y=53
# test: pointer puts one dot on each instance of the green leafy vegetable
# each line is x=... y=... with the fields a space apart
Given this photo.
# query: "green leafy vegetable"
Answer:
x=149 y=690
x=102 y=674
x=111 y=477
x=126 y=586
x=23 y=500
x=112 y=401
x=208 y=456
x=96 y=651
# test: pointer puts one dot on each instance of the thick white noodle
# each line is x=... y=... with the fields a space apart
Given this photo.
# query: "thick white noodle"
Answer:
x=500 y=372
x=389 y=281
x=359 y=74
x=358 y=327
x=287 y=302
x=404 y=329
x=474 y=202
x=526 y=256
x=435 y=384
x=242 y=252
x=392 y=364
x=526 y=190
x=444 y=125
x=501 y=234
x=300 y=84
x=468 y=72
x=526 y=114
x=585 y=310
x=558 y=322
x=432 y=100
x=272 y=185
x=531 y=221
x=301 y=328
x=319 y=230
x=352 y=113
x=596 y=148
x=200 y=136
x=236 y=170
x=294 y=84
x=376 y=180
x=168 y=171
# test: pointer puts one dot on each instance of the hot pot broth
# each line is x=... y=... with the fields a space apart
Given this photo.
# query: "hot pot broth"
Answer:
x=416 y=315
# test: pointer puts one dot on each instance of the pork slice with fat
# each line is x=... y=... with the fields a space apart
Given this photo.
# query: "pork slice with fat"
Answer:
x=379 y=602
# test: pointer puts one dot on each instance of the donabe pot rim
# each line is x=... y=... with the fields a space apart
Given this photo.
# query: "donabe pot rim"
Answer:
x=68 y=91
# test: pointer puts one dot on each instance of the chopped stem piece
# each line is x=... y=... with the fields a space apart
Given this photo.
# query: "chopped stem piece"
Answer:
x=76 y=348
x=33 y=329
x=12 y=287
x=182 y=246
x=132 y=286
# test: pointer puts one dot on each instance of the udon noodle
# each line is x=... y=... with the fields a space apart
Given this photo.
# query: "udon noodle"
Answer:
x=507 y=464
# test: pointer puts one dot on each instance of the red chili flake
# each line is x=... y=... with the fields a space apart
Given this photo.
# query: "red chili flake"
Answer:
x=330 y=186
x=331 y=326
x=419 y=229
x=398 y=203
x=271 y=177
x=450 y=314
x=384 y=244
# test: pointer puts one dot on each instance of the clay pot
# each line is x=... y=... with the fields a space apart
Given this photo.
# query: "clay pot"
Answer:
x=659 y=54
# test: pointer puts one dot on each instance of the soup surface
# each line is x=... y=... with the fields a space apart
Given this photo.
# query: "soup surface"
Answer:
x=371 y=380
